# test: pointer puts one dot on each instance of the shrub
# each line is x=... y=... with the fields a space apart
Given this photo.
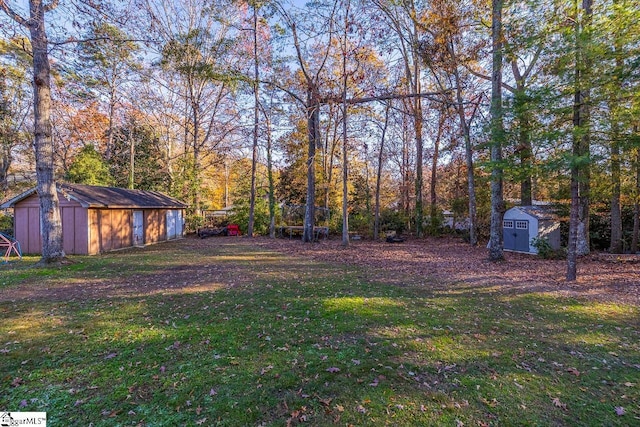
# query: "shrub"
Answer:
x=545 y=250
x=240 y=216
x=361 y=223
x=391 y=220
x=6 y=224
x=193 y=222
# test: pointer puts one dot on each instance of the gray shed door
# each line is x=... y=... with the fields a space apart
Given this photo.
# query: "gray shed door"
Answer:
x=174 y=224
x=516 y=235
x=138 y=228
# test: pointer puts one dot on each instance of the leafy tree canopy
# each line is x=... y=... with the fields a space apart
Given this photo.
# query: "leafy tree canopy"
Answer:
x=89 y=168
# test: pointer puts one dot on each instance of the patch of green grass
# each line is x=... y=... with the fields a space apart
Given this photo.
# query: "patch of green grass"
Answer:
x=312 y=344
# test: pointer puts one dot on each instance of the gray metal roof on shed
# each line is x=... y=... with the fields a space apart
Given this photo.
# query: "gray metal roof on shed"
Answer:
x=91 y=196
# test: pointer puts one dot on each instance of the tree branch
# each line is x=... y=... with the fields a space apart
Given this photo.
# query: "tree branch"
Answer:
x=533 y=61
x=327 y=52
x=296 y=43
x=485 y=77
x=12 y=14
x=50 y=6
x=96 y=39
x=429 y=95
x=285 y=90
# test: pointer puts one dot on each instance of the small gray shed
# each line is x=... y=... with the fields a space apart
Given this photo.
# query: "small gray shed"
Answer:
x=522 y=224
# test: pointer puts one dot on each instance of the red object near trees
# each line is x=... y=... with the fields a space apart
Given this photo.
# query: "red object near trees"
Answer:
x=233 y=230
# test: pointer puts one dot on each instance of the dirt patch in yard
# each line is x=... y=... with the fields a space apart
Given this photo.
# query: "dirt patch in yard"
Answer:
x=447 y=263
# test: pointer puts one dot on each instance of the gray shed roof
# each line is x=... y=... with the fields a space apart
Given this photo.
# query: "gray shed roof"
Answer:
x=91 y=196
x=541 y=212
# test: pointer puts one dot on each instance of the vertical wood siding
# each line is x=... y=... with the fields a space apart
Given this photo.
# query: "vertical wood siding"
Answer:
x=87 y=231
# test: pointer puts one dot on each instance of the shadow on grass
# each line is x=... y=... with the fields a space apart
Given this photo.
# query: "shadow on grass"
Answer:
x=234 y=336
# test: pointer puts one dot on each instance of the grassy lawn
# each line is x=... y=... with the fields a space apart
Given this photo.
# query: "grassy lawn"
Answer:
x=257 y=338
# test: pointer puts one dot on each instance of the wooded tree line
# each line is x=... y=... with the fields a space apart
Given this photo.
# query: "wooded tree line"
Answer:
x=383 y=111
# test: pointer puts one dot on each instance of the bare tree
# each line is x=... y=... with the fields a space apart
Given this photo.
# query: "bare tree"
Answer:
x=312 y=102
x=401 y=19
x=256 y=120
x=446 y=52
x=385 y=125
x=198 y=56
x=345 y=147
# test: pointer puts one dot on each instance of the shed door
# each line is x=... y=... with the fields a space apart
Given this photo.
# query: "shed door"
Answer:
x=174 y=224
x=521 y=235
x=138 y=228
x=516 y=235
x=508 y=234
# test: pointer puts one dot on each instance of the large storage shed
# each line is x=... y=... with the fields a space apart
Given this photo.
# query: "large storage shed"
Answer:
x=522 y=224
x=100 y=219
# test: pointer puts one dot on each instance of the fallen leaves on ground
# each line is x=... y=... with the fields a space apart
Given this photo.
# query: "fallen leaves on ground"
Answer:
x=558 y=403
x=441 y=262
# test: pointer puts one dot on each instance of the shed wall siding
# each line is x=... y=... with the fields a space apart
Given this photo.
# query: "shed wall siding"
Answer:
x=74 y=227
x=93 y=231
x=20 y=227
x=35 y=233
x=27 y=228
x=124 y=227
x=155 y=225
x=68 y=230
x=550 y=230
x=115 y=231
x=104 y=229
x=88 y=231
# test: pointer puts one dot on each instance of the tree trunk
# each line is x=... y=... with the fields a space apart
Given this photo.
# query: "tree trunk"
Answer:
x=468 y=149
x=5 y=164
x=433 y=195
x=195 y=185
x=616 y=213
x=345 y=181
x=271 y=180
x=345 y=148
x=132 y=157
x=50 y=220
x=584 y=183
x=256 y=122
x=376 y=220
x=574 y=216
x=417 y=114
x=616 y=246
x=579 y=217
x=109 y=149
x=497 y=136
x=635 y=238
x=313 y=124
x=405 y=172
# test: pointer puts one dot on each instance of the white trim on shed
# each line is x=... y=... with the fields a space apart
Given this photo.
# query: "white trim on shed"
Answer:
x=522 y=224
